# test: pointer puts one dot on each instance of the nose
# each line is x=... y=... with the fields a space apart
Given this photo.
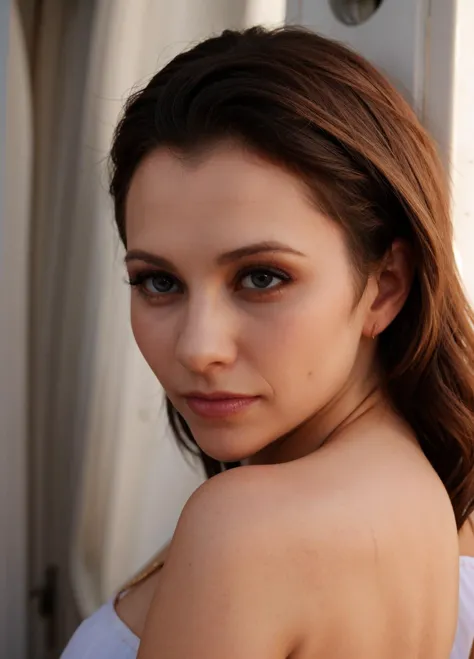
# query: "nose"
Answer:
x=206 y=337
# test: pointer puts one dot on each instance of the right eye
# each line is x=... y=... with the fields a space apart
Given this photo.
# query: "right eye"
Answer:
x=155 y=284
x=161 y=284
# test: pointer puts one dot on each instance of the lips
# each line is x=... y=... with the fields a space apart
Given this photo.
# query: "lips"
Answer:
x=219 y=404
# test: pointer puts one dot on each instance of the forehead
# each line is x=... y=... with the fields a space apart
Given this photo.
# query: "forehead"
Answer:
x=227 y=195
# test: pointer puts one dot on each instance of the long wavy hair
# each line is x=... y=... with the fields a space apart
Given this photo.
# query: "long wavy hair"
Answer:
x=324 y=113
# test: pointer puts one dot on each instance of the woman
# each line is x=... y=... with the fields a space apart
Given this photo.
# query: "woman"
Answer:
x=289 y=246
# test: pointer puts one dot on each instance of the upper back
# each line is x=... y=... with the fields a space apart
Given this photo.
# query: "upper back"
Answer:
x=391 y=556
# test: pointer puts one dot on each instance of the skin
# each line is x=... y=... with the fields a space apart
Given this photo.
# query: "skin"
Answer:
x=303 y=552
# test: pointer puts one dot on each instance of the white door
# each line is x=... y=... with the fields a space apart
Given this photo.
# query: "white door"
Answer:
x=411 y=41
x=425 y=48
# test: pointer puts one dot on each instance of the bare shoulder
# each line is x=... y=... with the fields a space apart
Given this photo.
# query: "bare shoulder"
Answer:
x=365 y=502
x=307 y=549
x=224 y=590
x=240 y=502
x=368 y=525
x=364 y=496
x=239 y=520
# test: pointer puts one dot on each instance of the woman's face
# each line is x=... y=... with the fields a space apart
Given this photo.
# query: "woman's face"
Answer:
x=244 y=299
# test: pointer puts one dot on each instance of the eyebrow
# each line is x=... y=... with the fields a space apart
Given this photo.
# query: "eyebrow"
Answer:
x=223 y=259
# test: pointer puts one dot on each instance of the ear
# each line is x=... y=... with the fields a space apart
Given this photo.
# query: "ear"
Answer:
x=391 y=286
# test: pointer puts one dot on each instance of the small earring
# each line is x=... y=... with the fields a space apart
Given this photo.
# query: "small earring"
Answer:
x=374 y=331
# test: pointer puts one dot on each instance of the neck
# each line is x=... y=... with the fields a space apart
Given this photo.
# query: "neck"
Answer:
x=325 y=425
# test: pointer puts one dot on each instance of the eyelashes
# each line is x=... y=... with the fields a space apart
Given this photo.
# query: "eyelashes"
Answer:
x=258 y=280
x=262 y=278
x=161 y=283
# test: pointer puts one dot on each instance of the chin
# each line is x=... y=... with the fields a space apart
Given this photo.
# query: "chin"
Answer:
x=224 y=453
x=226 y=446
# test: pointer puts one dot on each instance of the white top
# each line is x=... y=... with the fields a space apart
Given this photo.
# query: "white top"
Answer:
x=105 y=636
x=465 y=632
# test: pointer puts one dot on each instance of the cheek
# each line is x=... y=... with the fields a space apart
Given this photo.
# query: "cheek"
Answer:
x=313 y=344
x=151 y=337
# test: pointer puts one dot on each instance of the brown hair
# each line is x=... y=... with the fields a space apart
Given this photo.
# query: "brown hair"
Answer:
x=323 y=112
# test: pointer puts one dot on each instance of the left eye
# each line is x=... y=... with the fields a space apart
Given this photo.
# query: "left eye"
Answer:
x=261 y=279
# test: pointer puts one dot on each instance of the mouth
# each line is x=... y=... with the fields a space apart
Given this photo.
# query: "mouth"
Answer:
x=218 y=404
